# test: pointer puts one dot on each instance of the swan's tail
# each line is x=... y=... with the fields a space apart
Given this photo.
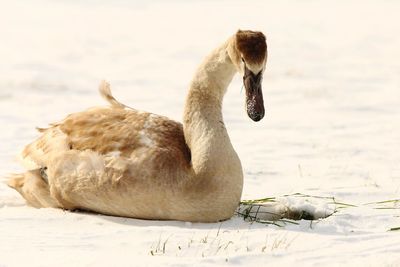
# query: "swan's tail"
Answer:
x=105 y=92
x=33 y=188
x=15 y=180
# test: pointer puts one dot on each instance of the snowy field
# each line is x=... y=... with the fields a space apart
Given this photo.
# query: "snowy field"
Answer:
x=332 y=125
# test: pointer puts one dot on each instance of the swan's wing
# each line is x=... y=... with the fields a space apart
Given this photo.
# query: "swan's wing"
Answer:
x=37 y=154
x=58 y=139
x=109 y=132
x=102 y=130
x=114 y=132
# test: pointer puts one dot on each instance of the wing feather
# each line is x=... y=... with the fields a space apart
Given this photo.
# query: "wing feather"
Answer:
x=105 y=92
x=38 y=153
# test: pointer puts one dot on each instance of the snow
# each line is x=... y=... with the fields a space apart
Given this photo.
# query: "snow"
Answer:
x=332 y=94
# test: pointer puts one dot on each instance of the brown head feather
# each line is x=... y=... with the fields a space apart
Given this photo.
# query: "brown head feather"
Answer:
x=252 y=45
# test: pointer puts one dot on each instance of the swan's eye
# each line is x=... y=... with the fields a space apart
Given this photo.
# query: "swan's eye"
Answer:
x=243 y=60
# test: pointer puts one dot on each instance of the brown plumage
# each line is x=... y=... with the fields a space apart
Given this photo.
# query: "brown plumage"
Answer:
x=119 y=161
x=252 y=45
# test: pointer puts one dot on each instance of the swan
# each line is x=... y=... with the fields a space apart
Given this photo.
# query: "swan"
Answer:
x=119 y=161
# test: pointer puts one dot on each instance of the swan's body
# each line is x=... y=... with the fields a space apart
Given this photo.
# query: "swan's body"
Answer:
x=123 y=162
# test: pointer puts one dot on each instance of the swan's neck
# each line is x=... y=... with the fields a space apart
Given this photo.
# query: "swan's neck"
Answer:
x=204 y=129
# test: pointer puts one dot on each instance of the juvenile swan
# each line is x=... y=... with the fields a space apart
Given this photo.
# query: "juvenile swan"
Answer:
x=123 y=162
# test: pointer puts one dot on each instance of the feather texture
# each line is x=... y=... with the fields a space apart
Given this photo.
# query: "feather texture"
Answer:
x=120 y=161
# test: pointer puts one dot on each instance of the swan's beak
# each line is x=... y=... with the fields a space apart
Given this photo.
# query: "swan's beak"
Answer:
x=254 y=98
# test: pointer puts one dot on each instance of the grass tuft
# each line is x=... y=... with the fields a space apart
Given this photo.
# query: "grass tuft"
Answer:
x=262 y=210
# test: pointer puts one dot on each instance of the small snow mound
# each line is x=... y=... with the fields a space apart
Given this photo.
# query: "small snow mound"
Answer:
x=295 y=207
x=307 y=208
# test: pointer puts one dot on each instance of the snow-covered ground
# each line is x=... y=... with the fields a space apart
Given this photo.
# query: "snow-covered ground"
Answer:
x=332 y=127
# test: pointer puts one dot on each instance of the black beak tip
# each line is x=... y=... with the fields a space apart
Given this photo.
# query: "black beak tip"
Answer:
x=256 y=116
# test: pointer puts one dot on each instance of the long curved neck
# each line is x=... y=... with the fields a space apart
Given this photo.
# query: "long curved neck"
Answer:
x=204 y=129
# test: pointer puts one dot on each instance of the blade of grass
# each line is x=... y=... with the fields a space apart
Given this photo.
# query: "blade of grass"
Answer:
x=384 y=202
x=261 y=200
x=343 y=204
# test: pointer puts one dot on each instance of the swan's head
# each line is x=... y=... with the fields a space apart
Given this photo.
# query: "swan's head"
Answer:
x=248 y=53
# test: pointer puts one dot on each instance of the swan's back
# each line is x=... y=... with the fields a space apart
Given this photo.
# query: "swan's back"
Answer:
x=114 y=132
